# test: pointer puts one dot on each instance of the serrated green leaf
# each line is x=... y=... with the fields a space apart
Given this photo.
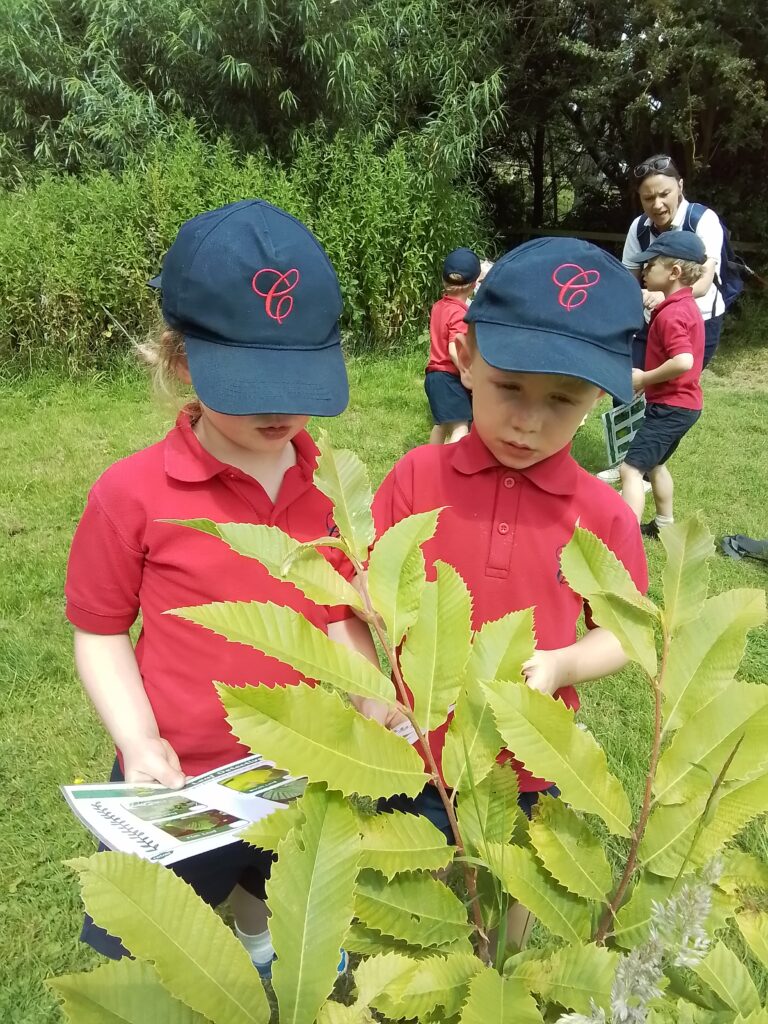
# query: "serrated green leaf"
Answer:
x=631 y=626
x=472 y=740
x=496 y=1000
x=526 y=880
x=343 y=478
x=593 y=571
x=489 y=812
x=284 y=558
x=397 y=841
x=267 y=833
x=435 y=981
x=758 y=1017
x=396 y=574
x=413 y=907
x=310 y=731
x=729 y=979
x=633 y=921
x=161 y=918
x=590 y=567
x=338 y=1013
x=668 y=836
x=738 y=805
x=123 y=992
x=753 y=926
x=742 y=870
x=286 y=635
x=311 y=895
x=542 y=733
x=437 y=647
x=370 y=942
x=705 y=654
x=700 y=748
x=572 y=977
x=501 y=646
x=688 y=545
x=569 y=850
x=379 y=974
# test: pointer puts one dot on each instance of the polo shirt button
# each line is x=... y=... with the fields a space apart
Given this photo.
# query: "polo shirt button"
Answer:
x=509 y=481
x=503 y=528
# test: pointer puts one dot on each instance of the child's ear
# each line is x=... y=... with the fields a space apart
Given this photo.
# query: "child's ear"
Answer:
x=464 y=359
x=181 y=367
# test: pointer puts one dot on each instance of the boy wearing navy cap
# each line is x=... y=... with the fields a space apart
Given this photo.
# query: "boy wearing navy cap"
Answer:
x=449 y=400
x=550 y=330
x=251 y=306
x=674 y=360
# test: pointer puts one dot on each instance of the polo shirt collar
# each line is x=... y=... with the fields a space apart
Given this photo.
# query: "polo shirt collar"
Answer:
x=679 y=296
x=557 y=474
x=188 y=462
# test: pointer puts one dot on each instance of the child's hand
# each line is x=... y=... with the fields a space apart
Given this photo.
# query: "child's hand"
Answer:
x=152 y=760
x=652 y=299
x=385 y=714
x=638 y=379
x=543 y=672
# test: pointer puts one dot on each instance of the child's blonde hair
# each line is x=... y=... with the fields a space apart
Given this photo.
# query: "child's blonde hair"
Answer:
x=690 y=272
x=457 y=290
x=160 y=353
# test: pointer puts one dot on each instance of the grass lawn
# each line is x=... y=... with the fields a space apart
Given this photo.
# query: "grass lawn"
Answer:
x=55 y=438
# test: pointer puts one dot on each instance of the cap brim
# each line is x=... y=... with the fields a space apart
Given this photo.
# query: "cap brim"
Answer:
x=246 y=380
x=155 y=282
x=520 y=350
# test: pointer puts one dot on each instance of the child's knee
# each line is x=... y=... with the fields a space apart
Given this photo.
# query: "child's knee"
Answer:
x=629 y=473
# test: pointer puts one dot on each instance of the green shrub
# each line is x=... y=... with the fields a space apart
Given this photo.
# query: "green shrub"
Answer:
x=75 y=254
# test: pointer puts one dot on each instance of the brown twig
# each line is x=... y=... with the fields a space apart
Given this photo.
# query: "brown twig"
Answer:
x=470 y=873
x=610 y=911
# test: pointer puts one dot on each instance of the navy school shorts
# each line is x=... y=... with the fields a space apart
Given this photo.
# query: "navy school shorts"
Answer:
x=449 y=400
x=429 y=805
x=660 y=433
x=213 y=876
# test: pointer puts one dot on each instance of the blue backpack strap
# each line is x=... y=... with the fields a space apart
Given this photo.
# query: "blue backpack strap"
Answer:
x=693 y=215
x=643 y=232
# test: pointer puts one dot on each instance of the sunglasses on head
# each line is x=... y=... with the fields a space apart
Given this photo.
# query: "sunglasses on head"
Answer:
x=661 y=163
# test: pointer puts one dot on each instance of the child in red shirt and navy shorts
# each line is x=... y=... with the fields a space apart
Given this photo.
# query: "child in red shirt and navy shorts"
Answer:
x=449 y=400
x=251 y=306
x=550 y=331
x=674 y=359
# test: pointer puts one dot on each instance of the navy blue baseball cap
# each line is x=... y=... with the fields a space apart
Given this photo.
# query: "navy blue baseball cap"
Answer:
x=258 y=302
x=462 y=266
x=680 y=245
x=561 y=306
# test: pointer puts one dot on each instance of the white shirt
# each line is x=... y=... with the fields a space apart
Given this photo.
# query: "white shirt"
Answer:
x=709 y=230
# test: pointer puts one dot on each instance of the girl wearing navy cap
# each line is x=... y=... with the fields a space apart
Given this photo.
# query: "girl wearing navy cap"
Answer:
x=251 y=306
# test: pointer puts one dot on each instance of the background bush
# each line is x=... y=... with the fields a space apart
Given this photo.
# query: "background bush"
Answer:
x=75 y=253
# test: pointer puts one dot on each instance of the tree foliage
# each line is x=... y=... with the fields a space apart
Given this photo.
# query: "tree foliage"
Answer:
x=644 y=942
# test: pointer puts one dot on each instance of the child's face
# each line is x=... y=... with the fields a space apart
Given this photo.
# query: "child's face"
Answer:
x=658 y=276
x=523 y=418
x=259 y=434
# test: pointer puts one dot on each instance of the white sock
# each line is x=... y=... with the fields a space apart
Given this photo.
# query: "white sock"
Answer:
x=664 y=520
x=259 y=946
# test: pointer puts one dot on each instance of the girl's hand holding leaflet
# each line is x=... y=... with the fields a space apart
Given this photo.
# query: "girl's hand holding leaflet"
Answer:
x=543 y=672
x=152 y=759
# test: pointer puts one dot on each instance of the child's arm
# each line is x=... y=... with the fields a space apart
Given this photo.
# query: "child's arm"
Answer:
x=107 y=667
x=355 y=634
x=674 y=367
x=597 y=653
x=452 y=351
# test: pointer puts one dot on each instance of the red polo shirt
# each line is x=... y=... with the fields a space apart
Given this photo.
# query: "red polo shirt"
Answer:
x=124 y=561
x=676 y=327
x=445 y=321
x=503 y=530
